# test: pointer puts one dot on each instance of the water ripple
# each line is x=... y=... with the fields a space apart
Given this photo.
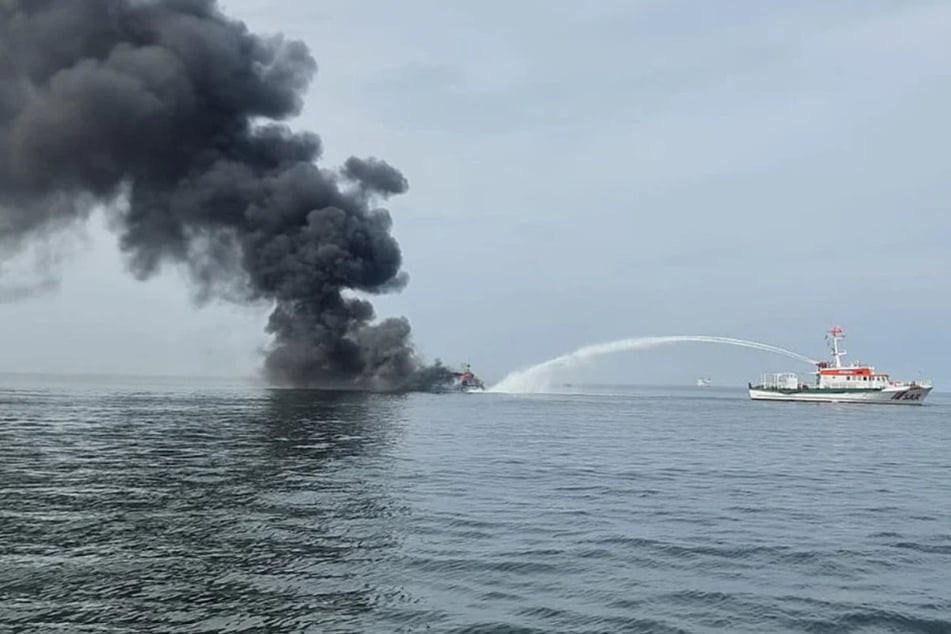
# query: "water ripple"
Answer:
x=164 y=507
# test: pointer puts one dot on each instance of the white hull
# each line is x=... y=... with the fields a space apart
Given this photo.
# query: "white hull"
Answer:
x=905 y=395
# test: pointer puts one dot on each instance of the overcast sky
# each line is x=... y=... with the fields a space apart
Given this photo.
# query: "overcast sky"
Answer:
x=581 y=172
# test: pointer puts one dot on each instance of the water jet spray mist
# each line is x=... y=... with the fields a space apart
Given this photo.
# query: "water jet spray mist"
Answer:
x=538 y=378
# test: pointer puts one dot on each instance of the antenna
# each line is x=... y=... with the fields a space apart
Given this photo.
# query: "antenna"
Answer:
x=833 y=335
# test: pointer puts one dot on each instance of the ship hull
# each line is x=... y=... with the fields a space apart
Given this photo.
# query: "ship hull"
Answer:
x=890 y=396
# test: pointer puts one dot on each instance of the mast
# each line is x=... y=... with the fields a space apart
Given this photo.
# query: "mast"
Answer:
x=834 y=334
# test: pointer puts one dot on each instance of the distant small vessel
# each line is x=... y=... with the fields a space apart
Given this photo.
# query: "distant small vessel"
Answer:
x=838 y=383
x=704 y=382
x=466 y=381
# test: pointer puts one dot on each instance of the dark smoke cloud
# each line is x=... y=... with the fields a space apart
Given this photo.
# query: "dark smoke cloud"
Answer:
x=171 y=113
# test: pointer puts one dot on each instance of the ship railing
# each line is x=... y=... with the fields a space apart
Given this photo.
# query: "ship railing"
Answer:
x=918 y=382
x=780 y=380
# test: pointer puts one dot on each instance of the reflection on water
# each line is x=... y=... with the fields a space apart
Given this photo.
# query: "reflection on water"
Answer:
x=193 y=511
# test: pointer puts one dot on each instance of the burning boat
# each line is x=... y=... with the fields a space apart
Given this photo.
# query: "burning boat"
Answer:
x=466 y=381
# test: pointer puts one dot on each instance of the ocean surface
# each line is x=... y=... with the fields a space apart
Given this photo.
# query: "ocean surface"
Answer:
x=175 y=506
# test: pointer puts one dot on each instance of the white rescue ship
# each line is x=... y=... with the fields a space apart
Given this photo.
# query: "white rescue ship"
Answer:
x=838 y=383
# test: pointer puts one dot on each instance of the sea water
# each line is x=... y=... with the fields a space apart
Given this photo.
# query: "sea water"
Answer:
x=192 y=506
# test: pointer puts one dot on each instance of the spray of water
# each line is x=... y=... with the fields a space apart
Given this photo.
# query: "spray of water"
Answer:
x=538 y=378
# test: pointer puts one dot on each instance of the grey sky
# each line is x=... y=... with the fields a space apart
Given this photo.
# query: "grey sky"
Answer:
x=584 y=173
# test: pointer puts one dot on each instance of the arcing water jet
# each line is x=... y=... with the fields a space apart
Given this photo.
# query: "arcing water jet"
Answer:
x=538 y=377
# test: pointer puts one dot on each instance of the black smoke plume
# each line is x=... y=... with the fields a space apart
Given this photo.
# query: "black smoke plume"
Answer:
x=171 y=113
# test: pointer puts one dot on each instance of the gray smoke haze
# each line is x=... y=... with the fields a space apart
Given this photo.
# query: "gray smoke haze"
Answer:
x=18 y=292
x=170 y=113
